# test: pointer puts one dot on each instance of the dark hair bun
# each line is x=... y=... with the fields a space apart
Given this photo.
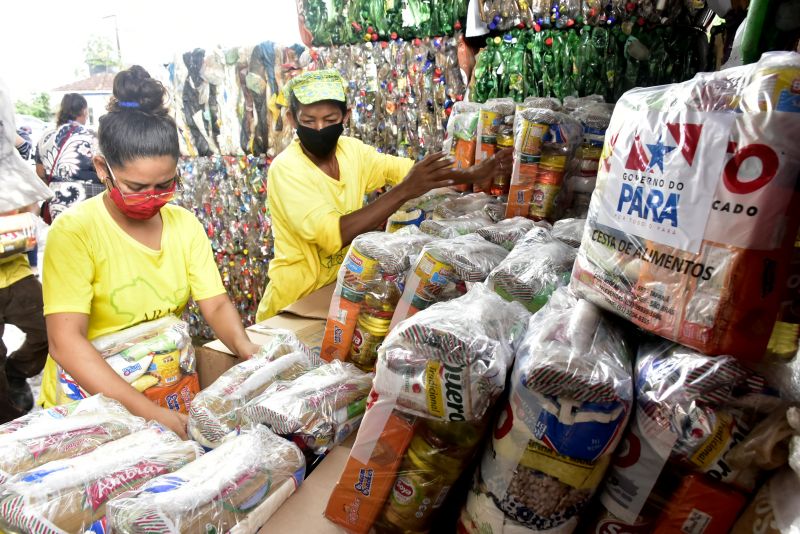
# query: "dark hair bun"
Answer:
x=135 y=89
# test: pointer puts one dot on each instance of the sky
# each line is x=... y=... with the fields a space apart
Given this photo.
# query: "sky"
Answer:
x=42 y=41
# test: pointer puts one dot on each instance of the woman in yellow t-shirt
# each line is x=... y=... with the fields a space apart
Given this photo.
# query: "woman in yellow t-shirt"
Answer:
x=316 y=189
x=126 y=256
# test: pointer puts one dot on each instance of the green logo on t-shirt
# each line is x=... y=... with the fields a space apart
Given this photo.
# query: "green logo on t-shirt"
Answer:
x=133 y=300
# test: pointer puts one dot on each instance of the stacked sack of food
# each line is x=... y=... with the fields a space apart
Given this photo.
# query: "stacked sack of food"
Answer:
x=569 y=231
x=696 y=209
x=215 y=413
x=71 y=494
x=443 y=270
x=774 y=509
x=461 y=137
x=544 y=144
x=463 y=215
x=494 y=133
x=508 y=232
x=317 y=410
x=536 y=267
x=437 y=379
x=234 y=487
x=570 y=398
x=413 y=212
x=368 y=289
x=62 y=432
x=580 y=184
x=678 y=465
x=155 y=357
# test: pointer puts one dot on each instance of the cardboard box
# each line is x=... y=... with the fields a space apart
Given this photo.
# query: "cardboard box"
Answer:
x=303 y=510
x=306 y=318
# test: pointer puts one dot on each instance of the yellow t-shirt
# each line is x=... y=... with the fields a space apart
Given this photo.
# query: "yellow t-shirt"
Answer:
x=13 y=269
x=92 y=266
x=306 y=204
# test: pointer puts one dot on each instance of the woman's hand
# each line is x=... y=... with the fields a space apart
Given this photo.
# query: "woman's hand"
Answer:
x=433 y=172
x=501 y=164
x=171 y=419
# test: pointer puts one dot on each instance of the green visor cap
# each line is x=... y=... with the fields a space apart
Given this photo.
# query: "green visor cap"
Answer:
x=315 y=86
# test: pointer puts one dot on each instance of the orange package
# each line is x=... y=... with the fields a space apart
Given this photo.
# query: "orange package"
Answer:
x=520 y=194
x=339 y=329
x=465 y=158
x=362 y=490
x=702 y=507
x=177 y=396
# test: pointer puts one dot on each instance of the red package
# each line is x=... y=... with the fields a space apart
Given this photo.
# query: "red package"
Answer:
x=700 y=507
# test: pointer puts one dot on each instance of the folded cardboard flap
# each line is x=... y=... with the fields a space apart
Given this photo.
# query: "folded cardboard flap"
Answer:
x=306 y=318
x=312 y=306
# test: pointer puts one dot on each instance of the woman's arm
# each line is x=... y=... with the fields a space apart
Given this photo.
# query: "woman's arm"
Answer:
x=71 y=349
x=227 y=325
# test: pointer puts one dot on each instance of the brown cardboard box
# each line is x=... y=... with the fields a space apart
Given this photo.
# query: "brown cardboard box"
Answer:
x=306 y=318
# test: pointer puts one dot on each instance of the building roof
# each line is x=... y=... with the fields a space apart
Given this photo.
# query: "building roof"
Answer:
x=98 y=83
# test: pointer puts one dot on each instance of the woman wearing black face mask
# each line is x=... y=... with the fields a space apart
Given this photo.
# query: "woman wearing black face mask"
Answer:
x=317 y=187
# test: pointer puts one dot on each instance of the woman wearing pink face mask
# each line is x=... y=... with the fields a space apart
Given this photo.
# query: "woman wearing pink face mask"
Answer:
x=127 y=256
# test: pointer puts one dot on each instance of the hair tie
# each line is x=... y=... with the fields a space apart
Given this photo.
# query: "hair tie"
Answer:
x=129 y=104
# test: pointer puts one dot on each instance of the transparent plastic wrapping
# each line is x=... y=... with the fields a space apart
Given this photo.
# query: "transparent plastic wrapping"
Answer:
x=316 y=410
x=216 y=492
x=573 y=103
x=569 y=231
x=70 y=495
x=508 y=232
x=463 y=342
x=430 y=200
x=696 y=209
x=17 y=234
x=62 y=432
x=570 y=398
x=541 y=102
x=774 y=509
x=544 y=143
x=496 y=208
x=215 y=413
x=368 y=288
x=594 y=119
x=533 y=270
x=450 y=228
x=493 y=115
x=156 y=354
x=691 y=412
x=461 y=139
x=442 y=271
x=454 y=207
x=438 y=376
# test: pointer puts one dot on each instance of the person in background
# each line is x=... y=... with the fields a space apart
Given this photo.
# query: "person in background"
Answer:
x=64 y=158
x=23 y=142
x=316 y=189
x=20 y=292
x=25 y=147
x=127 y=256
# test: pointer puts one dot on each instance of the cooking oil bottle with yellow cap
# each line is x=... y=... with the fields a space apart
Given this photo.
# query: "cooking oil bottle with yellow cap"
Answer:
x=434 y=460
x=380 y=300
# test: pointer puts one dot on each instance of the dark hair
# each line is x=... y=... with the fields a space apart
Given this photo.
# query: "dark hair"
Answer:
x=72 y=105
x=294 y=105
x=138 y=123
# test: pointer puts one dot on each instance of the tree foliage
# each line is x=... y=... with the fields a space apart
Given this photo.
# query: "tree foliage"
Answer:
x=38 y=106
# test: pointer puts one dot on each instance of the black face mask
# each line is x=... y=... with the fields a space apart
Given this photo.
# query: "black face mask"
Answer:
x=320 y=142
